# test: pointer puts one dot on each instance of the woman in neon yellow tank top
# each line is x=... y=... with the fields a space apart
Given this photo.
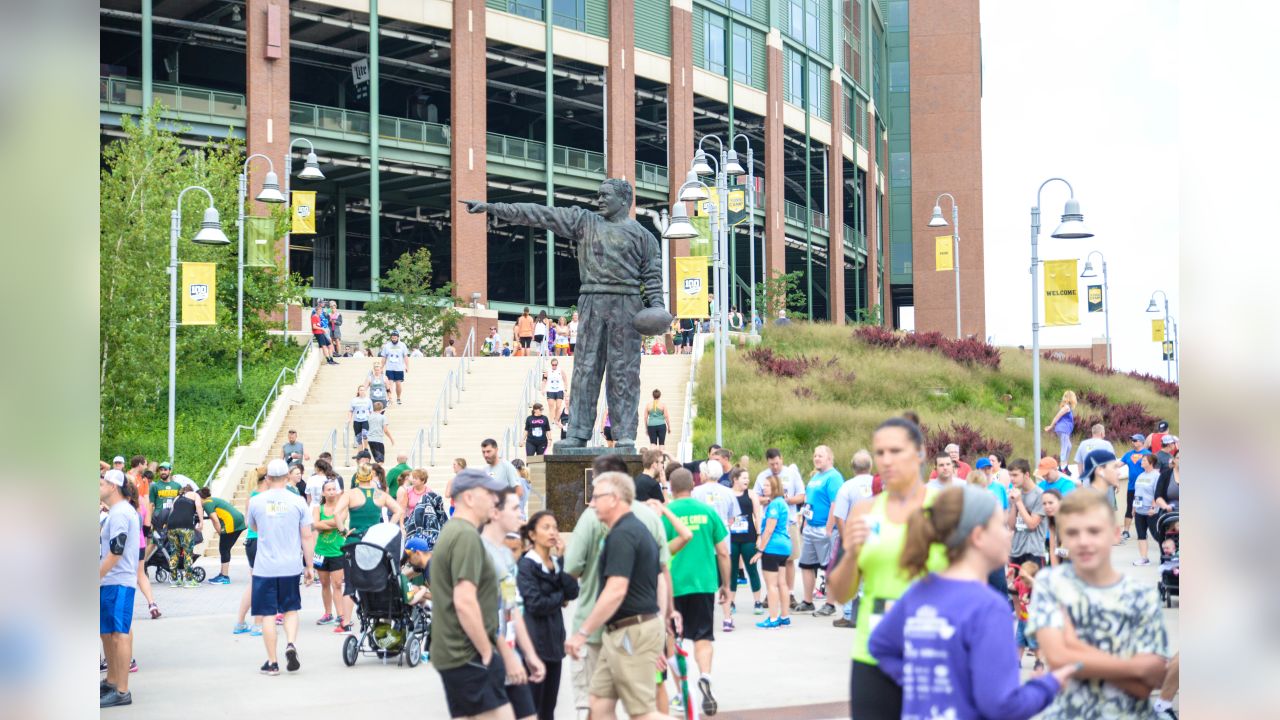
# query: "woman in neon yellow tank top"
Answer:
x=874 y=536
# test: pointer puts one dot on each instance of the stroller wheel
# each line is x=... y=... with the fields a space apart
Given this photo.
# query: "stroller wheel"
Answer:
x=350 y=650
x=199 y=573
x=162 y=575
x=412 y=652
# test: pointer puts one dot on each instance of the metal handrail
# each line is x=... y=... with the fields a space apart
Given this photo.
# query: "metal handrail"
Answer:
x=415 y=450
x=450 y=393
x=527 y=391
x=262 y=411
x=331 y=443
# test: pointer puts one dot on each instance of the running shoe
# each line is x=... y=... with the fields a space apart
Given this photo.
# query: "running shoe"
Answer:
x=1141 y=561
x=105 y=687
x=769 y=623
x=842 y=623
x=221 y=580
x=102 y=666
x=341 y=629
x=804 y=607
x=291 y=658
x=784 y=622
x=115 y=698
x=133 y=665
x=727 y=626
x=326 y=619
x=709 y=705
x=279 y=618
x=1125 y=535
x=240 y=629
x=191 y=583
x=154 y=610
x=256 y=631
x=792 y=602
x=270 y=668
x=398 y=402
x=759 y=609
x=827 y=610
x=174 y=583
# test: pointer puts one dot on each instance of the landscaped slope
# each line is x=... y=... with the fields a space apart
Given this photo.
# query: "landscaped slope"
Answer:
x=806 y=385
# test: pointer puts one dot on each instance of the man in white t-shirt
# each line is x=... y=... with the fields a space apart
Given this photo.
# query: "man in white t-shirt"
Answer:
x=282 y=521
x=396 y=353
x=853 y=491
x=573 y=334
x=793 y=489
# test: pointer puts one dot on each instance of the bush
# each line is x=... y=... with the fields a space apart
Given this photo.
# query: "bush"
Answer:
x=777 y=365
x=973 y=444
x=966 y=351
x=1122 y=420
x=1164 y=387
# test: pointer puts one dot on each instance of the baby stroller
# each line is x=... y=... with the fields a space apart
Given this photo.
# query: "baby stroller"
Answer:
x=1170 y=567
x=389 y=626
x=157 y=557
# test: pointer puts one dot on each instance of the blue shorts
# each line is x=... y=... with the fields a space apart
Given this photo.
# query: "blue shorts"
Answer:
x=395 y=375
x=115 y=609
x=1025 y=640
x=275 y=595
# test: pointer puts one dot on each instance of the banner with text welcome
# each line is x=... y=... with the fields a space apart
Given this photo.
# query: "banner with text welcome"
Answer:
x=1061 y=293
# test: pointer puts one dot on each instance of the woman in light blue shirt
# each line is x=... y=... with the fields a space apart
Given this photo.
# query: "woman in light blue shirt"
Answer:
x=774 y=544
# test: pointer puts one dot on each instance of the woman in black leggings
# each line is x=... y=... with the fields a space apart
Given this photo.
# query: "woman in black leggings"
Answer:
x=546 y=589
x=657 y=420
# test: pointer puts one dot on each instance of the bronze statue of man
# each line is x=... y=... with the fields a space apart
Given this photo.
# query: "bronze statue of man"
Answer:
x=621 y=272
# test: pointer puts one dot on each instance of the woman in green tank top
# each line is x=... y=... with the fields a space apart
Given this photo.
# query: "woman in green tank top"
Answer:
x=362 y=506
x=873 y=540
x=657 y=421
x=330 y=523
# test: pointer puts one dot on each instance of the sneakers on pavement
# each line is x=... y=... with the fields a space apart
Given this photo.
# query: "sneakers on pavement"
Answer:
x=709 y=705
x=326 y=619
x=1141 y=561
x=270 y=668
x=842 y=623
x=240 y=629
x=769 y=623
x=191 y=583
x=784 y=622
x=221 y=580
x=291 y=658
x=1125 y=535
x=115 y=698
x=256 y=631
x=105 y=687
x=804 y=607
x=727 y=626
x=341 y=629
x=826 y=610
x=759 y=609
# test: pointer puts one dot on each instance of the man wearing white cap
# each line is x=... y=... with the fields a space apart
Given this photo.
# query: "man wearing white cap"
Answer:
x=117 y=583
x=286 y=541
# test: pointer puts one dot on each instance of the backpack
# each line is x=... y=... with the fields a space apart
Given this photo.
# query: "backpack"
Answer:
x=426 y=519
x=182 y=516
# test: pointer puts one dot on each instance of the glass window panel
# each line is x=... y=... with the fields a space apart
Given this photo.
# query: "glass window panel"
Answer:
x=796 y=28
x=899 y=77
x=714 y=45
x=742 y=53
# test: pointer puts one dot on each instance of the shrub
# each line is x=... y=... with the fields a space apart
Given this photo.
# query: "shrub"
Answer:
x=1122 y=420
x=876 y=336
x=972 y=442
x=966 y=351
x=779 y=366
x=1164 y=387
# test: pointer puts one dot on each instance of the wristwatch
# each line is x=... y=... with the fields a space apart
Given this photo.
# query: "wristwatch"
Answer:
x=583 y=633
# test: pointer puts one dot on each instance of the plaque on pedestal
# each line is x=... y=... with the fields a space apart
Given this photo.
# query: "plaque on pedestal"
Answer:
x=567 y=478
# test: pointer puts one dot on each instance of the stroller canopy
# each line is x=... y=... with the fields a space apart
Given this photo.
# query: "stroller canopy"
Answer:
x=379 y=541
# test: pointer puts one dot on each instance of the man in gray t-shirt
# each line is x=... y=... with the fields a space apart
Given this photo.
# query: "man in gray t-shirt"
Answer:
x=286 y=541
x=500 y=469
x=1026 y=515
x=117 y=583
x=293 y=449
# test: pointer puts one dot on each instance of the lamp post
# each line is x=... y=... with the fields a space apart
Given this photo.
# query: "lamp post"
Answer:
x=1153 y=308
x=210 y=234
x=311 y=171
x=1106 y=301
x=751 y=222
x=938 y=221
x=664 y=221
x=270 y=194
x=1071 y=228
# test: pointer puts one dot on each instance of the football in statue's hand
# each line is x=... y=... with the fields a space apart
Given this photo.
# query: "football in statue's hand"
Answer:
x=652 y=321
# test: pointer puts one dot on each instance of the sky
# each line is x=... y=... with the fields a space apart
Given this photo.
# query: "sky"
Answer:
x=1085 y=91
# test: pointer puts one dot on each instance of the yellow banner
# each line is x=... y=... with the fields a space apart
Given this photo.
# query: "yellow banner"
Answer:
x=199 y=290
x=702 y=208
x=1061 y=293
x=691 y=296
x=942 y=253
x=1157 y=330
x=303 y=212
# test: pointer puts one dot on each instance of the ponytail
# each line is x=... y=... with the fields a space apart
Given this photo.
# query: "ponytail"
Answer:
x=929 y=525
x=130 y=492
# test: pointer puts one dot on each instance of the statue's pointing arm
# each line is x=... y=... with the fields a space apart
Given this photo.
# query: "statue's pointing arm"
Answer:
x=566 y=222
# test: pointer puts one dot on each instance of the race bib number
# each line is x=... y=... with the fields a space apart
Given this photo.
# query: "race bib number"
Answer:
x=537 y=432
x=739 y=525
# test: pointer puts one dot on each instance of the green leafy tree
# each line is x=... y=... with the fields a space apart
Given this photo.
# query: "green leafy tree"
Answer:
x=422 y=315
x=779 y=291
x=142 y=175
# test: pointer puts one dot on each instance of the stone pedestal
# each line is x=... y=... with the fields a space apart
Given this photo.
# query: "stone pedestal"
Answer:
x=566 y=479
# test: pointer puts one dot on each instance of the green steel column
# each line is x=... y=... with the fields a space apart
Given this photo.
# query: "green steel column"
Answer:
x=342 y=238
x=146 y=55
x=808 y=198
x=375 y=177
x=549 y=111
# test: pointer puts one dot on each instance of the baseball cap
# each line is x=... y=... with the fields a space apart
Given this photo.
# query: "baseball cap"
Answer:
x=395 y=333
x=277 y=468
x=363 y=455
x=417 y=543
x=166 y=465
x=982 y=464
x=117 y=459
x=1046 y=464
x=1171 y=440
x=476 y=478
x=114 y=477
x=1094 y=460
x=1162 y=426
x=1137 y=437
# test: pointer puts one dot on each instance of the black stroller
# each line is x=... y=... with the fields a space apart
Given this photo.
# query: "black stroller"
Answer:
x=1166 y=528
x=389 y=626
x=157 y=557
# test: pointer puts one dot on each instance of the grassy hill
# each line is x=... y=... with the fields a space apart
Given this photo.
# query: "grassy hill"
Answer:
x=811 y=384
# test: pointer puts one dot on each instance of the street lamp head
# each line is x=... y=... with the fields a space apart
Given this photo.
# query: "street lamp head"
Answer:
x=270 y=189
x=1151 y=306
x=693 y=189
x=731 y=166
x=211 y=229
x=680 y=228
x=1088 y=269
x=700 y=165
x=937 y=220
x=311 y=171
x=1072 y=227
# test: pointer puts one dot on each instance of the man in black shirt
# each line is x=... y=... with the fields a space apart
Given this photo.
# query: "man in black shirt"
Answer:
x=649 y=482
x=627 y=607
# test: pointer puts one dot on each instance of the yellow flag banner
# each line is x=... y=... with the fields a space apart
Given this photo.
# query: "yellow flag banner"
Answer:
x=692 y=300
x=303 y=212
x=199 y=289
x=942 y=253
x=702 y=208
x=1061 y=293
x=259 y=243
x=1157 y=330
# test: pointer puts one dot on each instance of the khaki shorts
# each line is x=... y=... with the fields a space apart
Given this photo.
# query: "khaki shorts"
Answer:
x=628 y=661
x=793 y=529
x=582 y=669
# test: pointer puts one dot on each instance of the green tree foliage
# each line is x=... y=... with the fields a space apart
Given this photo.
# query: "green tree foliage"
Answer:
x=779 y=291
x=409 y=304
x=141 y=178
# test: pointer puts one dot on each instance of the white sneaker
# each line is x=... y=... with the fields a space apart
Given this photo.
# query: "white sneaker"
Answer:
x=1141 y=561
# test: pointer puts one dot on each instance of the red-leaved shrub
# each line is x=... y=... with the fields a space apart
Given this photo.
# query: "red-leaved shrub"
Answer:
x=967 y=351
x=779 y=366
x=1164 y=387
x=973 y=444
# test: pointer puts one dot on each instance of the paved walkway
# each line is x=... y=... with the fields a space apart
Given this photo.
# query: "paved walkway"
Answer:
x=190 y=659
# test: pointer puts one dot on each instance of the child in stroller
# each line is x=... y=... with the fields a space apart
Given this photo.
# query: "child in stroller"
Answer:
x=1170 y=567
x=389 y=625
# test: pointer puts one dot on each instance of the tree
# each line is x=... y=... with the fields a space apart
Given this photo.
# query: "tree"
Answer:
x=779 y=291
x=142 y=175
x=422 y=315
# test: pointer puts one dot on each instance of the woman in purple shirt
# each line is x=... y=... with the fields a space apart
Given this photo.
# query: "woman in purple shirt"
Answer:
x=948 y=641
